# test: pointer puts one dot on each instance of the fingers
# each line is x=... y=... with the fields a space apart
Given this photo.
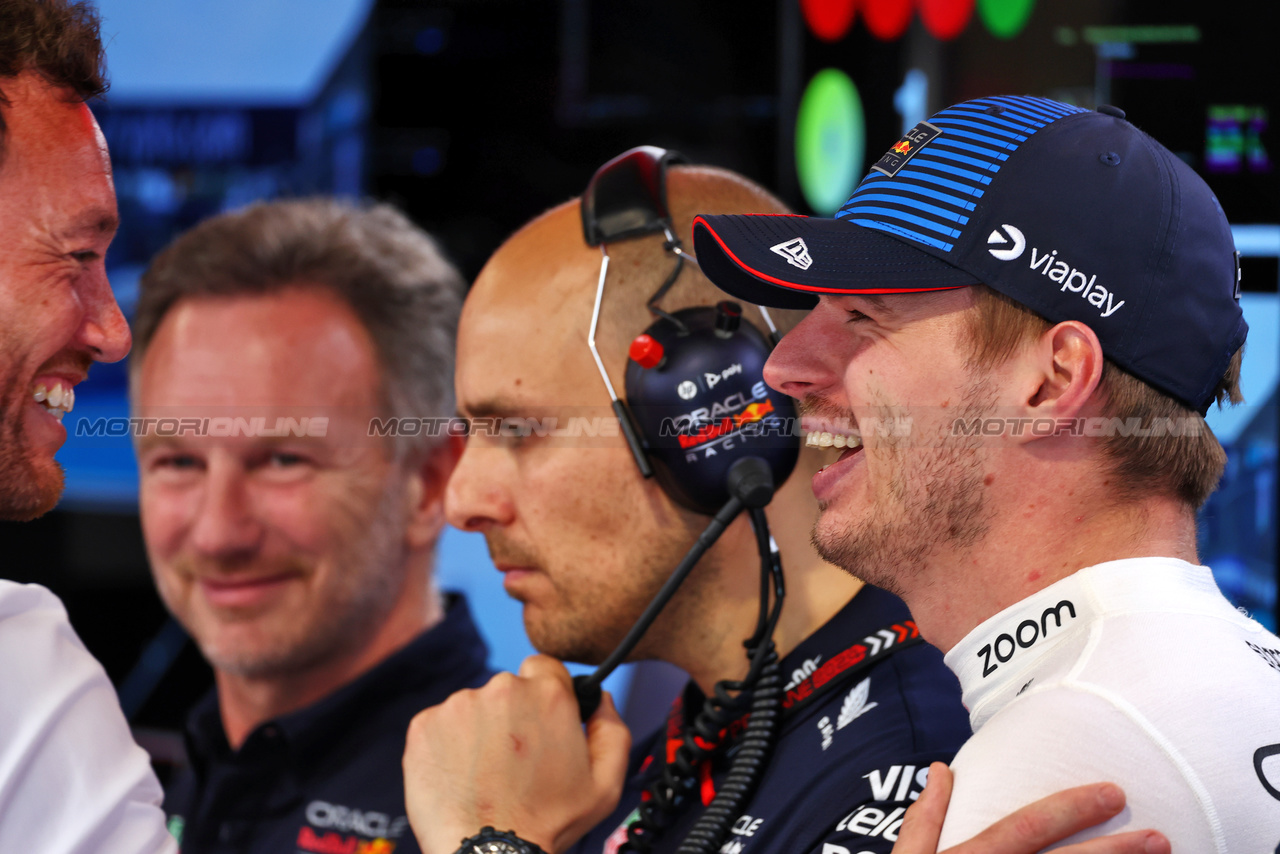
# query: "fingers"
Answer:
x=1136 y=842
x=1031 y=828
x=922 y=824
x=608 y=742
x=513 y=755
x=544 y=666
x=1048 y=820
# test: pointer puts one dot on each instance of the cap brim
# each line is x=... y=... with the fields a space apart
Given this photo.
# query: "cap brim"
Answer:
x=744 y=255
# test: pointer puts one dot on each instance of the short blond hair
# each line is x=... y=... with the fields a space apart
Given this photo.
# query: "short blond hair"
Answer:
x=1186 y=466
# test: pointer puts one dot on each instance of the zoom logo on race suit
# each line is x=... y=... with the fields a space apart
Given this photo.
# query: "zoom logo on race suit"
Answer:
x=337 y=829
x=1006 y=644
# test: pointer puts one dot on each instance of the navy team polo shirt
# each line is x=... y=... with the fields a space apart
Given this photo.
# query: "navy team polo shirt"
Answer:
x=850 y=756
x=327 y=778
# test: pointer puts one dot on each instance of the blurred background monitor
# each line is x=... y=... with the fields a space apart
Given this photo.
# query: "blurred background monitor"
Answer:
x=476 y=115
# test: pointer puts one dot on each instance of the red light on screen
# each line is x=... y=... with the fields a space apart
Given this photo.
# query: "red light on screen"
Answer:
x=887 y=19
x=946 y=19
x=829 y=20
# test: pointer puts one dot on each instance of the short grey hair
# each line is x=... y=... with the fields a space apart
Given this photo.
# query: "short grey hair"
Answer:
x=390 y=272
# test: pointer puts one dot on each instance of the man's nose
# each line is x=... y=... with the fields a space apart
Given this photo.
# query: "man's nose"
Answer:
x=479 y=496
x=225 y=526
x=103 y=330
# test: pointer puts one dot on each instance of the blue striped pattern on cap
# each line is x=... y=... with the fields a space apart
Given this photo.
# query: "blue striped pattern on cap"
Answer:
x=931 y=198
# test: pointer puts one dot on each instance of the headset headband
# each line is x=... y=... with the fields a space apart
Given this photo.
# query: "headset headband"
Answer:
x=627 y=197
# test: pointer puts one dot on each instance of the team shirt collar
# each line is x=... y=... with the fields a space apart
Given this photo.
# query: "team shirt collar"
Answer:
x=1007 y=653
x=443 y=656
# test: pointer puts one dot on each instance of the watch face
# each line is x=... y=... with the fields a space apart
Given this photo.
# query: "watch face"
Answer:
x=490 y=841
x=497 y=846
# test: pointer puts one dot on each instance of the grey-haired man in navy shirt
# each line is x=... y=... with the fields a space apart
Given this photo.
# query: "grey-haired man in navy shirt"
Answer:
x=292 y=540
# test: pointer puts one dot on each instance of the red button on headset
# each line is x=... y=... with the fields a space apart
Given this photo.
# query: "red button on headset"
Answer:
x=645 y=351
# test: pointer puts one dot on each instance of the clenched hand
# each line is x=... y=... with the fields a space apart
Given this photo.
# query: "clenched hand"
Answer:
x=514 y=755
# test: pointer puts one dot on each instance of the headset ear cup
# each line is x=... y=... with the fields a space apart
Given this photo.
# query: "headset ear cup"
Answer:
x=704 y=405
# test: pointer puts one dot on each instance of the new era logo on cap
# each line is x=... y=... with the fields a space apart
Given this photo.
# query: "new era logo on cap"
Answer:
x=795 y=251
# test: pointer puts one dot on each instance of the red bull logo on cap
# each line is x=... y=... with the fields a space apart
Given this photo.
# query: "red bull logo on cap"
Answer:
x=906 y=148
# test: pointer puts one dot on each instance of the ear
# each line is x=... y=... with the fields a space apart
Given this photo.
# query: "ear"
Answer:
x=1069 y=361
x=426 y=486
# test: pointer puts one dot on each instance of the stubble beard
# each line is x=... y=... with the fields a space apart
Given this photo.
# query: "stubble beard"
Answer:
x=936 y=502
x=371 y=562
x=29 y=485
x=587 y=622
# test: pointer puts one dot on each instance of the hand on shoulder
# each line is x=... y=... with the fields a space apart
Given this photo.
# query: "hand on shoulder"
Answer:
x=1029 y=829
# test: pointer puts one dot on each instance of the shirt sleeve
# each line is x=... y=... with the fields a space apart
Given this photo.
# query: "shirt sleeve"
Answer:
x=72 y=780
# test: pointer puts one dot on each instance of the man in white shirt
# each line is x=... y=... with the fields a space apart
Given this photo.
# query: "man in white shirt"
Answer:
x=71 y=777
x=1051 y=299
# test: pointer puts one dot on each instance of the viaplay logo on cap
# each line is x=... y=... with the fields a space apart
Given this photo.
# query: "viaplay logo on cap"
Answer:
x=1048 y=264
x=1002 y=236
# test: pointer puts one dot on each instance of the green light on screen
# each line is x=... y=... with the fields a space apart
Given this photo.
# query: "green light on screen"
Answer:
x=1174 y=34
x=1005 y=18
x=830 y=140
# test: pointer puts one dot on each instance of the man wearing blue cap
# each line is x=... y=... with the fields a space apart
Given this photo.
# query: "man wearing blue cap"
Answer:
x=1052 y=299
x=585 y=541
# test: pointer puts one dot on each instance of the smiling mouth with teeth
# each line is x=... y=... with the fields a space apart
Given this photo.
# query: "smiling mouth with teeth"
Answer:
x=845 y=443
x=821 y=439
x=58 y=400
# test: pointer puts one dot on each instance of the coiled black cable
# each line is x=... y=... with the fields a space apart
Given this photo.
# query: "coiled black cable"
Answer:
x=753 y=754
x=704 y=739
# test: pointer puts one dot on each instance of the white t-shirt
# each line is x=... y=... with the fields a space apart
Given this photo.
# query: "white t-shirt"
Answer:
x=1134 y=671
x=72 y=780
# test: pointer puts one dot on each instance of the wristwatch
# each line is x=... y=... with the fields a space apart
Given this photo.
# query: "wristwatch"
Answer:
x=490 y=841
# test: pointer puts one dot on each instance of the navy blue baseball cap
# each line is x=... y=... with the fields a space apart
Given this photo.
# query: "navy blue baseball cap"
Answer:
x=1075 y=214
